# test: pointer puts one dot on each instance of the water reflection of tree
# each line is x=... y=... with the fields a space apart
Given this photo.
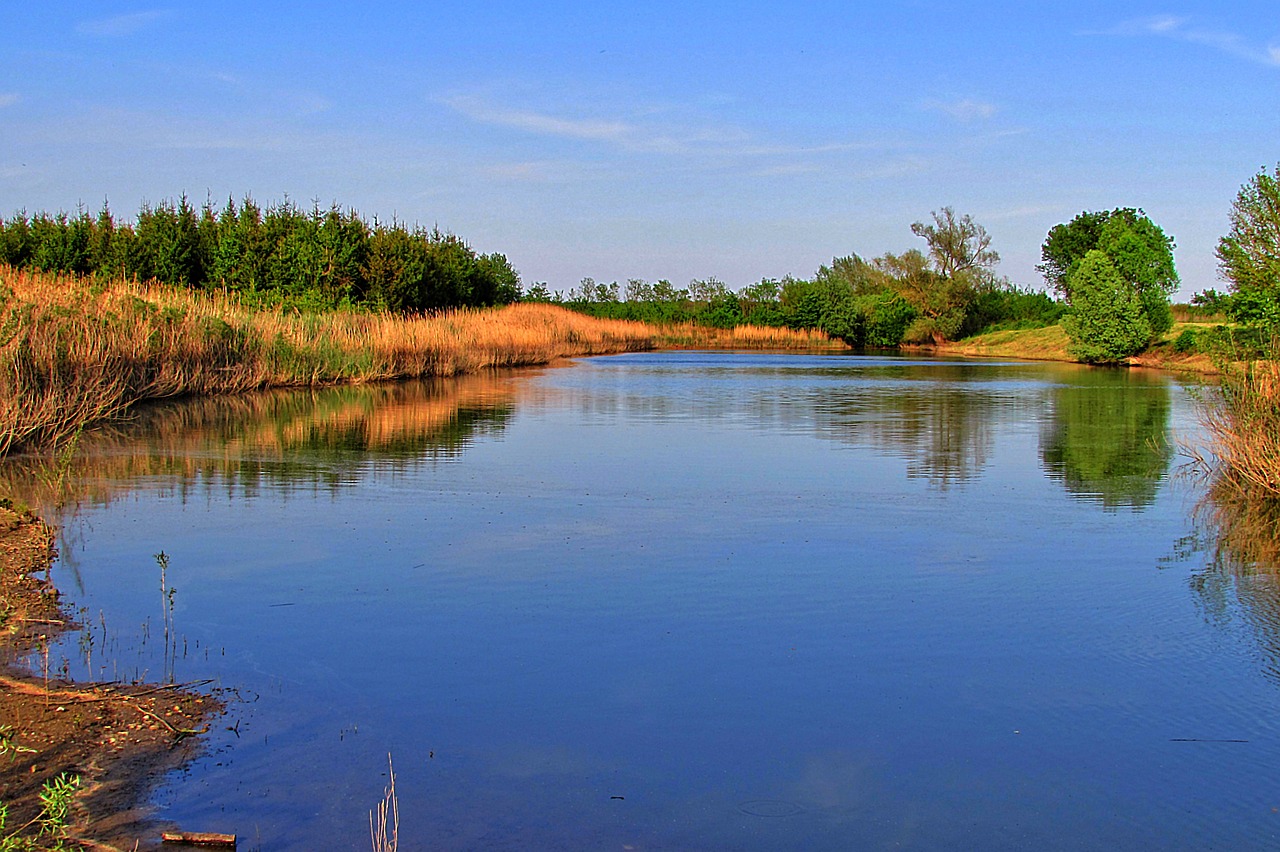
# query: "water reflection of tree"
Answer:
x=1242 y=574
x=1107 y=437
x=287 y=438
x=945 y=432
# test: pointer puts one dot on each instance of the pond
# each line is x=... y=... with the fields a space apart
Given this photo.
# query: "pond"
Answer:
x=691 y=600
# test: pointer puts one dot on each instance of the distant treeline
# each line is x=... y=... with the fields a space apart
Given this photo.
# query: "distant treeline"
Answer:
x=331 y=258
x=283 y=255
x=913 y=297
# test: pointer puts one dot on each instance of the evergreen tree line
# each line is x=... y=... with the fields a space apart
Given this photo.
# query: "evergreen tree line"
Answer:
x=317 y=260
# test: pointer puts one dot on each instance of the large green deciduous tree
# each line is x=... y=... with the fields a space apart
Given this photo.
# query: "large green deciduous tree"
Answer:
x=1138 y=248
x=1139 y=262
x=1108 y=321
x=1249 y=256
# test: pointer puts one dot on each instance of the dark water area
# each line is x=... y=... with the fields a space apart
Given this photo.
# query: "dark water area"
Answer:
x=691 y=601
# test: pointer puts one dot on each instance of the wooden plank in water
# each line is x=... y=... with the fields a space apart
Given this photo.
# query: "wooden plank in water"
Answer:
x=199 y=838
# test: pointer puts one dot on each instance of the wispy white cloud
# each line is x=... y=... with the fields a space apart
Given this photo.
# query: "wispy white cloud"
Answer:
x=1026 y=211
x=966 y=109
x=9 y=99
x=632 y=136
x=623 y=134
x=541 y=123
x=1182 y=29
x=121 y=25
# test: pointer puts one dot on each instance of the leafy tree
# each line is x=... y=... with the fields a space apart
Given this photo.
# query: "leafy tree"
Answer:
x=1066 y=245
x=706 y=290
x=759 y=303
x=1249 y=256
x=538 y=293
x=1108 y=321
x=940 y=302
x=723 y=311
x=956 y=245
x=1143 y=256
x=943 y=285
x=494 y=281
x=590 y=291
x=1139 y=250
x=802 y=303
x=886 y=318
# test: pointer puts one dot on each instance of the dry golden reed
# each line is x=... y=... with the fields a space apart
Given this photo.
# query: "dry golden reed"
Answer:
x=74 y=352
x=691 y=336
x=1243 y=423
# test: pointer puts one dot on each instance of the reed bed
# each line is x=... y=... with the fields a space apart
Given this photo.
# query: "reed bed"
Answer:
x=690 y=336
x=74 y=351
x=1243 y=422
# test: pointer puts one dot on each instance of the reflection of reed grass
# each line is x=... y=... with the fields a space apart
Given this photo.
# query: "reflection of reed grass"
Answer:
x=1245 y=528
x=233 y=436
x=72 y=352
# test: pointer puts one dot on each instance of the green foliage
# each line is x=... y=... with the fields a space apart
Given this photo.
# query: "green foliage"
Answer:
x=538 y=293
x=1011 y=307
x=282 y=256
x=55 y=803
x=51 y=823
x=1107 y=322
x=1139 y=254
x=1141 y=251
x=1143 y=256
x=887 y=316
x=944 y=294
x=1065 y=247
x=9 y=745
x=1186 y=342
x=1249 y=255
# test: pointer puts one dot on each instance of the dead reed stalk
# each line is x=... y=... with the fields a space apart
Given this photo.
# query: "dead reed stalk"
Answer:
x=384 y=820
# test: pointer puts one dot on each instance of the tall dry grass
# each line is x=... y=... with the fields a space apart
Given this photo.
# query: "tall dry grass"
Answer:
x=690 y=336
x=1243 y=422
x=74 y=352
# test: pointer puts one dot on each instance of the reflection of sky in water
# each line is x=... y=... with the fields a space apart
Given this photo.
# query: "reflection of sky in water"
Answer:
x=702 y=601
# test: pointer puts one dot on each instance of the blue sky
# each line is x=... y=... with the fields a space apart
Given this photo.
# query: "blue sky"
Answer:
x=654 y=140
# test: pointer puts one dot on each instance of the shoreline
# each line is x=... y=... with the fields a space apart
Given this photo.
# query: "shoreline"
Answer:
x=118 y=739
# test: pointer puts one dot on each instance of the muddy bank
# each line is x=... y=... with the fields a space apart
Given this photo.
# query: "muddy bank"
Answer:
x=118 y=739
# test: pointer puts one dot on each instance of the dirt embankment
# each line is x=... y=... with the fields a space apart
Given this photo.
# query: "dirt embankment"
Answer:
x=119 y=740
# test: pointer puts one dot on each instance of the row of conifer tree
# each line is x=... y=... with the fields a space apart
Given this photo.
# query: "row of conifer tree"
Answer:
x=280 y=255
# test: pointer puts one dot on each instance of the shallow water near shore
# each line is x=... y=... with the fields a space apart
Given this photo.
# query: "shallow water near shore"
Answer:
x=691 y=600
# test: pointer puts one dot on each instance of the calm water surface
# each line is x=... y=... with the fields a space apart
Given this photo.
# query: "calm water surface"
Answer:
x=693 y=601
